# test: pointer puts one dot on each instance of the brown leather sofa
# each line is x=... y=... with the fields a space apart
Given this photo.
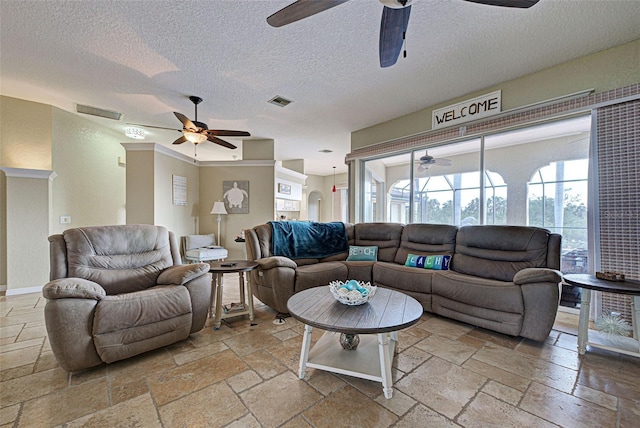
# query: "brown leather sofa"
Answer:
x=502 y=278
x=119 y=291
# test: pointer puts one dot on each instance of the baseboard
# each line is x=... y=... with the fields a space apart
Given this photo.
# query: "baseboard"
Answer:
x=25 y=290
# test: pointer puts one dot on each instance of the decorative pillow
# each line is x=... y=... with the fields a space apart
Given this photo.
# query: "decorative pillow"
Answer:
x=437 y=262
x=363 y=254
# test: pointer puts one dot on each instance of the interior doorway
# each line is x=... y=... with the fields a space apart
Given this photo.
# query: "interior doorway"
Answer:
x=313 y=203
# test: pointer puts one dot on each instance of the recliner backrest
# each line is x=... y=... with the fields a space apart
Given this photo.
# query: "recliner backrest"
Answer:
x=386 y=236
x=122 y=259
x=498 y=252
x=426 y=239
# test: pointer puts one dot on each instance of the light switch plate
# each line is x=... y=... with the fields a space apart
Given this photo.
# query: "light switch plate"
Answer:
x=65 y=219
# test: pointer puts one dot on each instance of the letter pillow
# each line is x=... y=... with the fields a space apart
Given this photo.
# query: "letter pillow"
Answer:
x=362 y=254
x=439 y=262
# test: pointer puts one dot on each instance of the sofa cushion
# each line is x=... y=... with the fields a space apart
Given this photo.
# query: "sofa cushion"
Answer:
x=362 y=254
x=318 y=274
x=385 y=236
x=121 y=259
x=498 y=252
x=426 y=239
x=402 y=277
x=482 y=292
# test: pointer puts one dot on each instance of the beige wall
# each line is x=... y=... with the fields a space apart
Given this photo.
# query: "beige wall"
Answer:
x=25 y=136
x=605 y=70
x=261 y=177
x=180 y=219
x=90 y=184
x=140 y=193
x=28 y=202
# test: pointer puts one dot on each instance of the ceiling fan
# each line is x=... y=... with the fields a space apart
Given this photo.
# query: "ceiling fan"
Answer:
x=426 y=161
x=393 y=26
x=198 y=132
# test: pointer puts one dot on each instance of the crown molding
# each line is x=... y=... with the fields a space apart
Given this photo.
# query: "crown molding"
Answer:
x=158 y=148
x=29 y=173
x=238 y=163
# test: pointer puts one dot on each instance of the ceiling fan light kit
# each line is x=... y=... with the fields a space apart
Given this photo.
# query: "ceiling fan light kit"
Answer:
x=198 y=132
x=393 y=25
x=195 y=137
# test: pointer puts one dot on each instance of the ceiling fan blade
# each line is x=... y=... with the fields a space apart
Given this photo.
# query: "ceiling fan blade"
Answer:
x=224 y=133
x=301 y=9
x=185 y=121
x=392 y=28
x=155 y=127
x=221 y=142
x=442 y=162
x=181 y=140
x=522 y=4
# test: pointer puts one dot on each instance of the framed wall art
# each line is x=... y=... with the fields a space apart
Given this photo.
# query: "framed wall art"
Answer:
x=235 y=195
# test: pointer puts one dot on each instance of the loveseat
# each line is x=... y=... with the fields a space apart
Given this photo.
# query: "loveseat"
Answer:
x=119 y=291
x=502 y=278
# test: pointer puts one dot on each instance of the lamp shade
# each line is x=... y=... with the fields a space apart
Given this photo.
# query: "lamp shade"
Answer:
x=218 y=208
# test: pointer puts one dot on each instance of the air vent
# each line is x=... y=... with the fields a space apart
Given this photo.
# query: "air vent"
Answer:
x=279 y=101
x=100 y=112
x=325 y=151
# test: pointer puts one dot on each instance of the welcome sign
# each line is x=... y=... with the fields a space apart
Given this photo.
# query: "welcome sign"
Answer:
x=466 y=111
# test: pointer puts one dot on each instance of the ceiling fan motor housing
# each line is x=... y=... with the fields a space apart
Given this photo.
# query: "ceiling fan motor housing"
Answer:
x=396 y=4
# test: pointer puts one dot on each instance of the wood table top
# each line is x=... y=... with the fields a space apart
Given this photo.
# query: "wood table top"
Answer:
x=387 y=311
x=237 y=266
x=593 y=283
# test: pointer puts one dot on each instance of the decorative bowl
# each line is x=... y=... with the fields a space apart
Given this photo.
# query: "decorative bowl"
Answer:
x=352 y=292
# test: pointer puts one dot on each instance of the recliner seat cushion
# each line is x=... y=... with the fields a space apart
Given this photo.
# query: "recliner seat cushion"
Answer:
x=403 y=278
x=318 y=274
x=130 y=321
x=121 y=258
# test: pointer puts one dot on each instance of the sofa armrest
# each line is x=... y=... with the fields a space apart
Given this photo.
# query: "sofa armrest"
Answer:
x=533 y=275
x=541 y=297
x=181 y=274
x=276 y=261
x=79 y=288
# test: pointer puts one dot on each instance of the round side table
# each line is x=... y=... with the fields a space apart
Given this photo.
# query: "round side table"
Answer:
x=218 y=269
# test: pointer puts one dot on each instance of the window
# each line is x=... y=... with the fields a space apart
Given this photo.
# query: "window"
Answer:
x=557 y=199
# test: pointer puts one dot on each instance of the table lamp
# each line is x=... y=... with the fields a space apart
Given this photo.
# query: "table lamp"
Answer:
x=218 y=208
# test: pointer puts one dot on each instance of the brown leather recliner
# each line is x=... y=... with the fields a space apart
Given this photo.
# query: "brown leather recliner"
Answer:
x=119 y=291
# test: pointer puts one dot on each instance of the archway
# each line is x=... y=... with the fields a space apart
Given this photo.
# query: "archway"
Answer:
x=313 y=203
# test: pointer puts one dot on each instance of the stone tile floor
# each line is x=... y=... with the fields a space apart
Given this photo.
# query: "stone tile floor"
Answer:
x=446 y=374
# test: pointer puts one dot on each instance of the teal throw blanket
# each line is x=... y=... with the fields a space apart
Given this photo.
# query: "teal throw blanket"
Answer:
x=308 y=240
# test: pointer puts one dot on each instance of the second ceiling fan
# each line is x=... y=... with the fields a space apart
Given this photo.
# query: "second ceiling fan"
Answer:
x=393 y=26
x=198 y=132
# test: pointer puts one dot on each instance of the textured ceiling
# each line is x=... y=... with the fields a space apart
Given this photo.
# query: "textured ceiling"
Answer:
x=143 y=58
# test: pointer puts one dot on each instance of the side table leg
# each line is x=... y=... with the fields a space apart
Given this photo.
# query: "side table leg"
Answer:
x=385 y=364
x=250 y=293
x=214 y=280
x=304 y=352
x=218 y=318
x=583 y=326
x=242 y=295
